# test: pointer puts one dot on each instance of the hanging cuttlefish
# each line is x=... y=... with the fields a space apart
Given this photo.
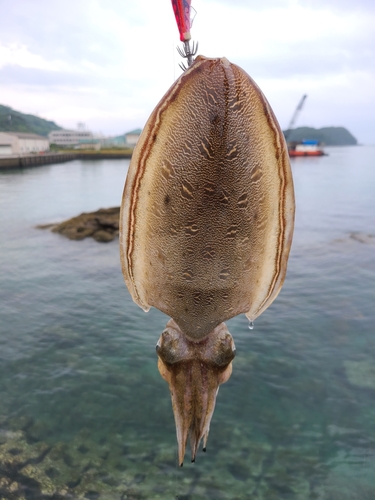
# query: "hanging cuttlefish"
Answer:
x=206 y=225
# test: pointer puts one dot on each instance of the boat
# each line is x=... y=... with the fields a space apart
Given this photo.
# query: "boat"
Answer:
x=306 y=147
x=309 y=147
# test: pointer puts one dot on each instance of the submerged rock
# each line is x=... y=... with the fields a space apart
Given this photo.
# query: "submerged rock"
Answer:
x=362 y=237
x=101 y=225
x=361 y=373
x=121 y=466
x=359 y=237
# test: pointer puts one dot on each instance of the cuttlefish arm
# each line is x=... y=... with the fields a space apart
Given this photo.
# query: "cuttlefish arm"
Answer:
x=206 y=225
x=194 y=371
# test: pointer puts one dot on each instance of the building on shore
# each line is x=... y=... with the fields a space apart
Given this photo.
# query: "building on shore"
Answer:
x=18 y=143
x=84 y=139
x=69 y=138
x=94 y=144
x=115 y=142
x=127 y=140
x=131 y=138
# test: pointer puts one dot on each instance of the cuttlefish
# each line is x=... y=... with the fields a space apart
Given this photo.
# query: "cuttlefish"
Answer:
x=206 y=226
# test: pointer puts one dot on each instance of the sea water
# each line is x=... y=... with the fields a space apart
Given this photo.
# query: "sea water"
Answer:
x=84 y=412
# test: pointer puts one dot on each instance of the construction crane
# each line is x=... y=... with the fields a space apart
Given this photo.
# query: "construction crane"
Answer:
x=294 y=117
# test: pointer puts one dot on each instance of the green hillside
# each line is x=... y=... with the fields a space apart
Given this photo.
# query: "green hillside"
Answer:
x=330 y=136
x=14 y=121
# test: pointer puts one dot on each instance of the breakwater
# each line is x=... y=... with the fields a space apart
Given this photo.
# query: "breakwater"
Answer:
x=33 y=160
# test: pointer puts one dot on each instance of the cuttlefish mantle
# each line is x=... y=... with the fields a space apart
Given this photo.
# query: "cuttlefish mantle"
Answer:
x=206 y=226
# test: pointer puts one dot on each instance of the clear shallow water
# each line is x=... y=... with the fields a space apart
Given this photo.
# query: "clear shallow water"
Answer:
x=83 y=410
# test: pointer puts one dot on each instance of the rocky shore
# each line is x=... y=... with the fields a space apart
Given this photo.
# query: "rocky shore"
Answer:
x=102 y=225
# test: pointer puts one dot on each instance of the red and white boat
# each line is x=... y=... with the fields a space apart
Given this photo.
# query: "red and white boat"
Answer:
x=305 y=148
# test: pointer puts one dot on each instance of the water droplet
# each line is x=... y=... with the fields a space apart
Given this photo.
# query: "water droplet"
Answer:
x=251 y=325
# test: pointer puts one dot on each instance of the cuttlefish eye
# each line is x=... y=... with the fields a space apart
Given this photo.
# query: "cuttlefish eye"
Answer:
x=170 y=346
x=223 y=351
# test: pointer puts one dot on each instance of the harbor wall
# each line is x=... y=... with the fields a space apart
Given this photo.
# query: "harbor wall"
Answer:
x=25 y=161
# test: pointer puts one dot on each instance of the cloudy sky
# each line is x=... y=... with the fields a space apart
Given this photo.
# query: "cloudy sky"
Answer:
x=108 y=62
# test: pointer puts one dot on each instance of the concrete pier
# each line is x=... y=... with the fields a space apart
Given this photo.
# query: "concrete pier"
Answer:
x=25 y=161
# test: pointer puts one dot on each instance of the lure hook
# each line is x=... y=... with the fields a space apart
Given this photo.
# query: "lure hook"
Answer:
x=188 y=53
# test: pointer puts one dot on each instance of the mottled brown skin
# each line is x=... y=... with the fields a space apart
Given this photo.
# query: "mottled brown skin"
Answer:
x=206 y=223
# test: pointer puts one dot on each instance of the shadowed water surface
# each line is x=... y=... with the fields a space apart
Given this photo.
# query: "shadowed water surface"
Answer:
x=83 y=410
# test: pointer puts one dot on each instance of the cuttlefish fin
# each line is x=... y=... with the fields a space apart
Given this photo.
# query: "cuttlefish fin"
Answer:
x=194 y=371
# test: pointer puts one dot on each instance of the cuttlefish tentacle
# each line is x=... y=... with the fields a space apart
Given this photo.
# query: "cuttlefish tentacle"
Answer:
x=206 y=227
x=194 y=371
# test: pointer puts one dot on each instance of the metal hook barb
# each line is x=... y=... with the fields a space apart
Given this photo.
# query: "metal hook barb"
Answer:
x=188 y=53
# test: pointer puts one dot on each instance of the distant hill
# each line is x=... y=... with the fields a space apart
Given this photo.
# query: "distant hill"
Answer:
x=15 y=121
x=330 y=136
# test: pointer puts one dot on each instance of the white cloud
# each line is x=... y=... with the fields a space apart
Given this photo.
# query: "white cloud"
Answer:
x=19 y=55
x=111 y=62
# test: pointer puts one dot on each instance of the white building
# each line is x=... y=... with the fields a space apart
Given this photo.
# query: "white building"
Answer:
x=16 y=143
x=69 y=137
x=89 y=144
x=131 y=138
